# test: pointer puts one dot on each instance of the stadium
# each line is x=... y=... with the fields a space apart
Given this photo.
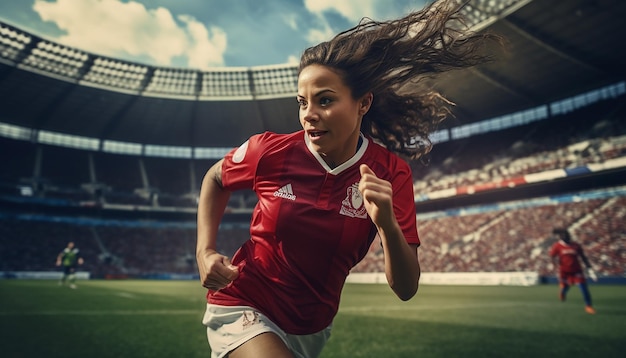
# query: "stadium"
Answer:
x=110 y=154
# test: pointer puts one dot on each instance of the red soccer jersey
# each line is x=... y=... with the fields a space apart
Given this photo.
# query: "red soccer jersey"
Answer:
x=309 y=227
x=568 y=256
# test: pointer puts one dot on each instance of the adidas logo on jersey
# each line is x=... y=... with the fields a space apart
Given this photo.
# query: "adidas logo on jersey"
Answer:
x=285 y=192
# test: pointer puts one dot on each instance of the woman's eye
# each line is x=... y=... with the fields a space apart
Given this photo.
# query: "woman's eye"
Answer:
x=325 y=101
x=301 y=103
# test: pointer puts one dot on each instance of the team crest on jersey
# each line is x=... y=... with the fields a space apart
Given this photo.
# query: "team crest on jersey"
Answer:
x=352 y=205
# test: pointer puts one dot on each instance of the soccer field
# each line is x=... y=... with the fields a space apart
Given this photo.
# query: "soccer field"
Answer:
x=162 y=319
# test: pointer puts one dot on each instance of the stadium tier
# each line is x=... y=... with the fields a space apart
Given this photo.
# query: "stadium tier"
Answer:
x=111 y=154
x=123 y=233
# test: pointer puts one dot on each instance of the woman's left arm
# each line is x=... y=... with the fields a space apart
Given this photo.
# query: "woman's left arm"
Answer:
x=401 y=261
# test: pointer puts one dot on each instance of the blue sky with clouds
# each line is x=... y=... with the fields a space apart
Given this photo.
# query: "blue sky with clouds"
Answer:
x=197 y=34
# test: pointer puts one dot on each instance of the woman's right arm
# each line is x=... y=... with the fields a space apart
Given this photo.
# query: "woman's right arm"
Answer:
x=215 y=270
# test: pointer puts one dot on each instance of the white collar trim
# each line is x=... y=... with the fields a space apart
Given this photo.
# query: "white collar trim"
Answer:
x=350 y=162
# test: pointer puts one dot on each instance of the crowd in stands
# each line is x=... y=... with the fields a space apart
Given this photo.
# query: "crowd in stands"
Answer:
x=494 y=241
x=109 y=248
x=563 y=142
x=519 y=240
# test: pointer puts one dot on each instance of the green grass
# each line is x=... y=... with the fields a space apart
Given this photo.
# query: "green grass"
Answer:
x=162 y=319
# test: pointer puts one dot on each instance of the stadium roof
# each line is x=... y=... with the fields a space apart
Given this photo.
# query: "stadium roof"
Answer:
x=557 y=49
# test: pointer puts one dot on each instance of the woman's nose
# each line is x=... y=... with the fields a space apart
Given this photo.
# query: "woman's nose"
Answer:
x=308 y=114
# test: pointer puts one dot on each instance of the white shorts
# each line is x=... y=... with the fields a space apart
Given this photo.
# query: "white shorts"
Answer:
x=228 y=327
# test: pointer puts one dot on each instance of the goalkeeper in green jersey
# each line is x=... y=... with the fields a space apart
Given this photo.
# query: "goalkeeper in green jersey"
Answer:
x=69 y=258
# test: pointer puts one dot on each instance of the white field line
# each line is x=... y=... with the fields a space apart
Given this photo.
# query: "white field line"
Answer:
x=352 y=309
x=461 y=306
x=105 y=312
x=126 y=295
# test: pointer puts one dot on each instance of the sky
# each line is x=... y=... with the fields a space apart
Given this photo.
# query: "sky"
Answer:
x=196 y=34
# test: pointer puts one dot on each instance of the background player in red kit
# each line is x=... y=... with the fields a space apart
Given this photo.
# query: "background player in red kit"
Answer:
x=568 y=253
x=325 y=192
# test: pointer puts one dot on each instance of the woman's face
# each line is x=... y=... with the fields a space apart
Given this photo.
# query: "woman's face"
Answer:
x=329 y=115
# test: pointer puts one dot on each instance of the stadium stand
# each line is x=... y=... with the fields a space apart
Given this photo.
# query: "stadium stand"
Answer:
x=592 y=135
x=508 y=240
x=123 y=185
x=493 y=239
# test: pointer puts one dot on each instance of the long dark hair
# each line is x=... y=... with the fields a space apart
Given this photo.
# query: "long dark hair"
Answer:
x=388 y=58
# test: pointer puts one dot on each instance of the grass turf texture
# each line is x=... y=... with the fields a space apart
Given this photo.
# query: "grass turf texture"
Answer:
x=162 y=319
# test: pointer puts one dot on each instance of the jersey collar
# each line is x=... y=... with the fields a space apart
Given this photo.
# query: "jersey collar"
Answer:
x=350 y=162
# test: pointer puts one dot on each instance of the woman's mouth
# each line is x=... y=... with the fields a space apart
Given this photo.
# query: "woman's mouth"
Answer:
x=316 y=134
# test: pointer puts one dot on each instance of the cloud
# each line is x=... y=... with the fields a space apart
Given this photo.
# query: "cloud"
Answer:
x=352 y=10
x=315 y=36
x=291 y=20
x=113 y=28
x=293 y=60
x=206 y=46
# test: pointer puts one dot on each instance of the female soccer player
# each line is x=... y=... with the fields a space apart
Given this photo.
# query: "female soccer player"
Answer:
x=325 y=192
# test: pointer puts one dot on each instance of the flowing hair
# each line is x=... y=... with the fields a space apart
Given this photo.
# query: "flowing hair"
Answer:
x=389 y=58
